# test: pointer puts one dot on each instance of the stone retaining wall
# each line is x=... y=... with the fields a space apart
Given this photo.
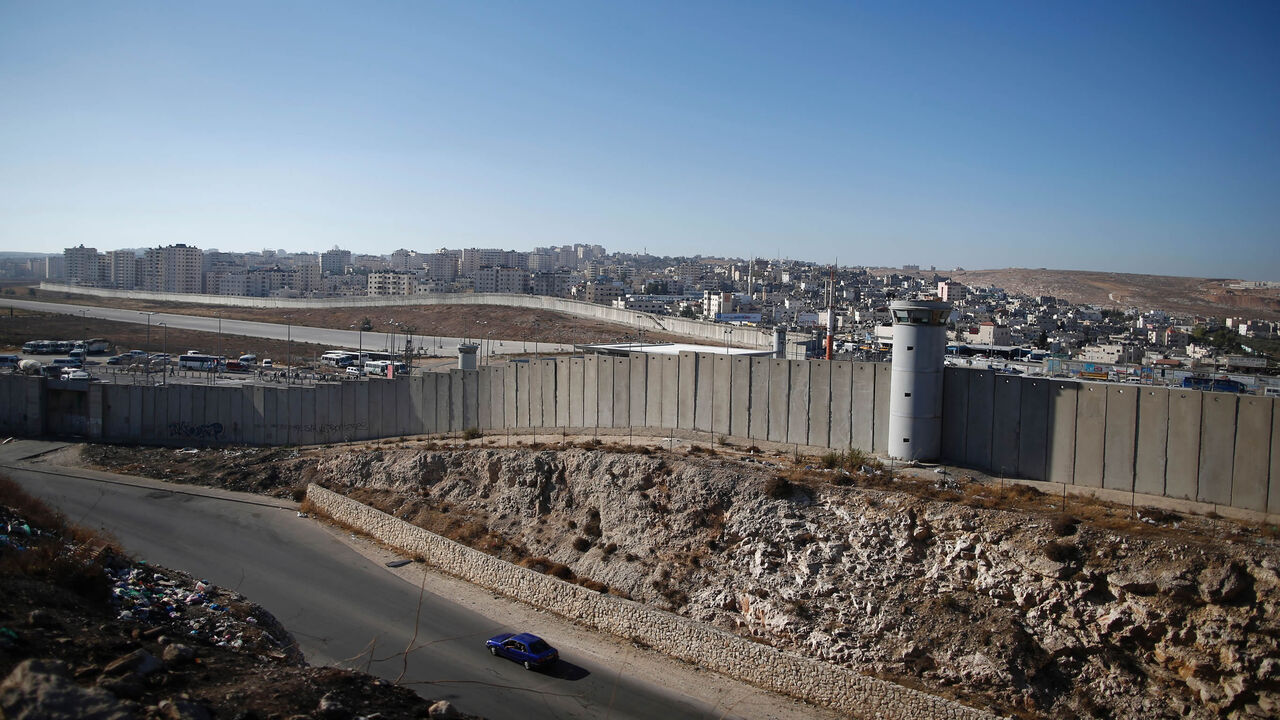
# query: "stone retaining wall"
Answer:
x=762 y=666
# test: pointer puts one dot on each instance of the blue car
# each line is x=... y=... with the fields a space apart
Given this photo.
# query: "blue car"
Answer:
x=528 y=650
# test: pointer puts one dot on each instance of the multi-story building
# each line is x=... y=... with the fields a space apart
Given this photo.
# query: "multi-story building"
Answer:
x=176 y=269
x=603 y=293
x=82 y=265
x=501 y=280
x=475 y=258
x=990 y=333
x=551 y=284
x=335 y=261
x=122 y=269
x=952 y=291
x=390 y=282
x=441 y=266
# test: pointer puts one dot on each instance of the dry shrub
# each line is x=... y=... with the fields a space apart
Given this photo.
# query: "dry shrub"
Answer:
x=595 y=585
x=581 y=544
x=610 y=549
x=1063 y=525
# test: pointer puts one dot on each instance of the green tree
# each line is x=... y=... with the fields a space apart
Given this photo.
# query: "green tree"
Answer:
x=366 y=325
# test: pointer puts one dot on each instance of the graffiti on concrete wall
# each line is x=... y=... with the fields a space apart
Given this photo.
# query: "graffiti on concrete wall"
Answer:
x=208 y=431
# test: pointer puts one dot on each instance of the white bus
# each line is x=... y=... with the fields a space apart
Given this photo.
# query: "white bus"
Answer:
x=339 y=358
x=199 y=361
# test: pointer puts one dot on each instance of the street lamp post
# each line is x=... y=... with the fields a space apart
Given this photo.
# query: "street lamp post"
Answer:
x=148 y=314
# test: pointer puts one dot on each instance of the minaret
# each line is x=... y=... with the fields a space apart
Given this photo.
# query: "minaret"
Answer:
x=915 y=404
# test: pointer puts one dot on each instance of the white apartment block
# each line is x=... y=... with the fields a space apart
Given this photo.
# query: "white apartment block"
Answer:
x=388 y=283
x=501 y=280
x=82 y=265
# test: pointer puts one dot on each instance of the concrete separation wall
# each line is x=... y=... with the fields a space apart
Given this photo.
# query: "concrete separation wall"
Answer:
x=708 y=647
x=684 y=327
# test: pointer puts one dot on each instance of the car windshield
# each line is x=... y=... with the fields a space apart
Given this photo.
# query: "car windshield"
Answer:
x=538 y=646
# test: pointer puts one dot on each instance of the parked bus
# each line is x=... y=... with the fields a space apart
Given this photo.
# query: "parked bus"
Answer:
x=370 y=355
x=339 y=358
x=199 y=361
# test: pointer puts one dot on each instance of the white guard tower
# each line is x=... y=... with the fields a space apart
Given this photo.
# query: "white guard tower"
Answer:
x=467 y=356
x=919 y=351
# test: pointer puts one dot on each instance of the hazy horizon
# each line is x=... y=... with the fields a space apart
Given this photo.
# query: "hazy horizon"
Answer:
x=1121 y=137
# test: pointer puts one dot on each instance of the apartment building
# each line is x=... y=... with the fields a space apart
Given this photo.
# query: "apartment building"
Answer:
x=82 y=265
x=501 y=280
x=390 y=282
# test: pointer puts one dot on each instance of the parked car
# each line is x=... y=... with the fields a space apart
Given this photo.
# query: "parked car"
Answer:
x=118 y=359
x=354 y=371
x=236 y=366
x=527 y=649
x=267 y=363
x=76 y=375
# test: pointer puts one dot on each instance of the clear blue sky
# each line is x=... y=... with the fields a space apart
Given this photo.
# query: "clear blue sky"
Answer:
x=1125 y=136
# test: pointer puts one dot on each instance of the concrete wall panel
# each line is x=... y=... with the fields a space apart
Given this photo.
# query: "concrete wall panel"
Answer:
x=381 y=410
x=798 y=402
x=591 y=391
x=1120 y=445
x=864 y=406
x=359 y=410
x=1217 y=447
x=841 y=404
x=484 y=400
x=704 y=392
x=670 y=391
x=536 y=399
x=10 y=412
x=1033 y=435
x=880 y=413
x=758 y=422
x=1252 y=459
x=740 y=400
x=470 y=382
x=820 y=403
x=295 y=420
x=523 y=394
x=1152 y=439
x=562 y=392
x=229 y=418
x=307 y=416
x=1273 y=492
x=1006 y=421
x=604 y=392
x=779 y=399
x=576 y=391
x=550 y=393
x=639 y=390
x=1063 y=397
x=445 y=411
x=1091 y=429
x=274 y=409
x=621 y=391
x=1183 y=459
x=653 y=391
x=457 y=400
x=721 y=393
x=955 y=414
x=981 y=418
x=687 y=394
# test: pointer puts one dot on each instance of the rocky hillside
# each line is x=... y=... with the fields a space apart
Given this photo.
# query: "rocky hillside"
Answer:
x=994 y=596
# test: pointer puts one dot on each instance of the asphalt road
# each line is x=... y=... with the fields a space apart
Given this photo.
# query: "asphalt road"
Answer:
x=281 y=331
x=338 y=603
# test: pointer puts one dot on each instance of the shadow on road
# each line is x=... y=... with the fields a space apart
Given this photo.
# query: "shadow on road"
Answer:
x=565 y=671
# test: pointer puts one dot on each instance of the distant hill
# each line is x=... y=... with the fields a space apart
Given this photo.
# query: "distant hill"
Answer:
x=1183 y=295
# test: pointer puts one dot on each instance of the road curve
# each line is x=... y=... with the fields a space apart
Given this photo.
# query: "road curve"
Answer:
x=343 y=607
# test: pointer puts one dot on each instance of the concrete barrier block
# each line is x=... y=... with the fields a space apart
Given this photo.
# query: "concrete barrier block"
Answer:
x=740 y=397
x=577 y=392
x=1006 y=423
x=758 y=422
x=469 y=382
x=306 y=421
x=1121 y=441
x=798 y=402
x=639 y=390
x=1183 y=464
x=1033 y=436
x=841 y=404
x=562 y=392
x=485 y=398
x=1273 y=491
x=273 y=416
x=536 y=396
x=704 y=392
x=1252 y=461
x=445 y=410
x=955 y=415
x=880 y=413
x=591 y=391
x=604 y=392
x=457 y=400
x=1217 y=447
x=721 y=393
x=820 y=403
x=135 y=413
x=981 y=423
x=1091 y=429
x=653 y=391
x=524 y=394
x=550 y=394
x=621 y=391
x=1153 y=436
x=1063 y=397
x=779 y=399
x=687 y=394
x=670 y=391
x=864 y=405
